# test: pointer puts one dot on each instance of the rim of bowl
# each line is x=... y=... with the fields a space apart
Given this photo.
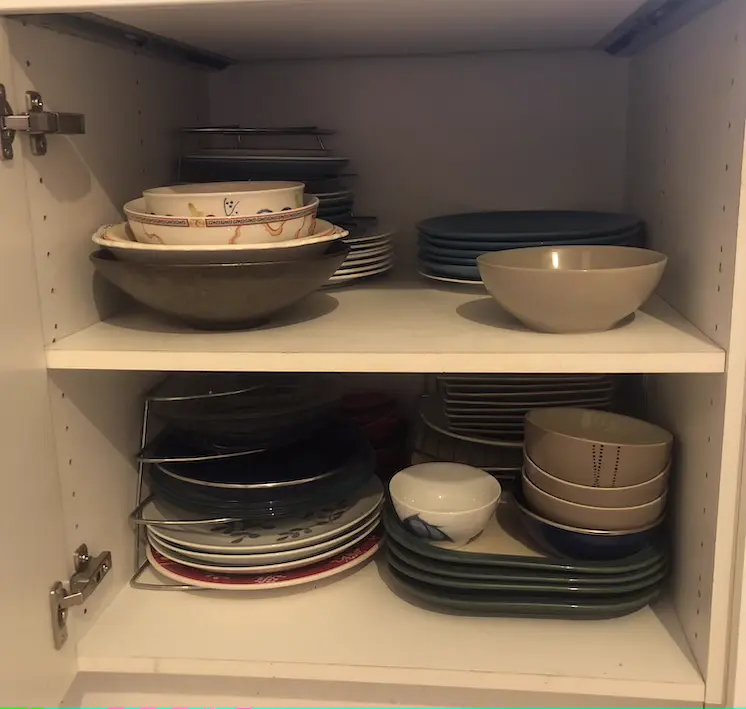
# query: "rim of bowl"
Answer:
x=525 y=479
x=423 y=510
x=486 y=259
x=164 y=190
x=334 y=234
x=592 y=532
x=624 y=488
x=575 y=437
x=343 y=250
x=134 y=210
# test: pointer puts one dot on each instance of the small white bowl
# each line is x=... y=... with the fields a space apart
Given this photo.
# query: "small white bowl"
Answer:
x=224 y=199
x=446 y=503
x=201 y=231
x=120 y=239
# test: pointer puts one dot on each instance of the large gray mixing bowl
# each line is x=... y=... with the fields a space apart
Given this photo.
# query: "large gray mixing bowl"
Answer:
x=565 y=289
x=221 y=296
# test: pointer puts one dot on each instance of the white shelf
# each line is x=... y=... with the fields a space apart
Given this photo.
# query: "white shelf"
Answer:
x=392 y=327
x=355 y=629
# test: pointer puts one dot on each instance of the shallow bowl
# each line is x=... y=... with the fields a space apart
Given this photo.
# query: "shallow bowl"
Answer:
x=628 y=496
x=224 y=199
x=566 y=289
x=568 y=541
x=596 y=448
x=221 y=296
x=447 y=503
x=120 y=239
x=610 y=519
x=195 y=231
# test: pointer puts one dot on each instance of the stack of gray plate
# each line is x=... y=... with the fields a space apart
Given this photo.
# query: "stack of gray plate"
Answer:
x=491 y=408
x=371 y=251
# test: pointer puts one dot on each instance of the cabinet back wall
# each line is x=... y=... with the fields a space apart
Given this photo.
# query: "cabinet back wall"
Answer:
x=430 y=135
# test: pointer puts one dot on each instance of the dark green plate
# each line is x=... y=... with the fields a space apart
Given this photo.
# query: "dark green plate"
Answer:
x=469 y=573
x=506 y=516
x=498 y=586
x=527 y=605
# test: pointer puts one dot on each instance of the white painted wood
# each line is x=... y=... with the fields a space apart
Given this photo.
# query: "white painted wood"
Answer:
x=133 y=107
x=272 y=28
x=35 y=550
x=436 y=135
x=102 y=690
x=392 y=328
x=687 y=113
x=355 y=630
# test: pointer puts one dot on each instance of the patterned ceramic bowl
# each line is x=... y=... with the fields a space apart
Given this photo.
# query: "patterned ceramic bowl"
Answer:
x=224 y=199
x=267 y=228
x=447 y=503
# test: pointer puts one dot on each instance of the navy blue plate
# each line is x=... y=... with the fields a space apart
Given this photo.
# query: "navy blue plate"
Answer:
x=520 y=226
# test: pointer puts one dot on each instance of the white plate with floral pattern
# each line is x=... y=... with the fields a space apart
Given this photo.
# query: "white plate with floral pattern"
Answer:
x=266 y=557
x=309 y=559
x=346 y=560
x=247 y=536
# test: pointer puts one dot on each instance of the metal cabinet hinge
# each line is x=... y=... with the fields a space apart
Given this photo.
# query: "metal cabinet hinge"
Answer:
x=36 y=122
x=89 y=573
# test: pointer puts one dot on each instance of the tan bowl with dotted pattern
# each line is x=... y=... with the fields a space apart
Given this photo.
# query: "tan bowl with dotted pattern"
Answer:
x=610 y=519
x=596 y=448
x=629 y=496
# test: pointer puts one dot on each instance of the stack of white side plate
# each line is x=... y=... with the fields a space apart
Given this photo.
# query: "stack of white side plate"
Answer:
x=371 y=254
x=269 y=553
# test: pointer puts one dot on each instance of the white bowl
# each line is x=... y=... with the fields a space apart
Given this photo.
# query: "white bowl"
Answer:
x=224 y=199
x=120 y=239
x=200 y=231
x=446 y=503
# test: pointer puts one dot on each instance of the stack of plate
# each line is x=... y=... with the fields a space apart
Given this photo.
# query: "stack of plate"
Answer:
x=383 y=424
x=212 y=154
x=490 y=408
x=449 y=244
x=371 y=252
x=335 y=206
x=502 y=573
x=257 y=476
x=431 y=446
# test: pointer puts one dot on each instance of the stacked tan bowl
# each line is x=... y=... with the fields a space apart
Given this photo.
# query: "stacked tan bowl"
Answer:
x=596 y=470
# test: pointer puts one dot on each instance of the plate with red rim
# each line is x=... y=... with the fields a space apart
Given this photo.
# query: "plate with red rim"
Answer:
x=227 y=564
x=346 y=560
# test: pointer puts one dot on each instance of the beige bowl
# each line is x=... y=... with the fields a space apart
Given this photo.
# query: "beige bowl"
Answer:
x=204 y=231
x=629 y=496
x=571 y=288
x=596 y=448
x=611 y=519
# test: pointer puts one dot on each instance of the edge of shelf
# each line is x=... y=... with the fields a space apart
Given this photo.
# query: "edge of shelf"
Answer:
x=418 y=330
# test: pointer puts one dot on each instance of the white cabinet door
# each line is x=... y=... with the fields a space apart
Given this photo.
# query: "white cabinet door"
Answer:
x=34 y=550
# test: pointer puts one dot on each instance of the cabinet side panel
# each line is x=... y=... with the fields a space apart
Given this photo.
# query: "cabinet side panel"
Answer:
x=686 y=135
x=133 y=106
x=97 y=419
x=35 y=552
x=433 y=135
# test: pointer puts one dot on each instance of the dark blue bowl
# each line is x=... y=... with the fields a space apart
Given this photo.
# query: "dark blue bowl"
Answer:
x=558 y=539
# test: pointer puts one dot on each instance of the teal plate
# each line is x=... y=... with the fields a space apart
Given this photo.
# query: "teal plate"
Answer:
x=499 y=584
x=532 y=606
x=507 y=532
x=470 y=572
